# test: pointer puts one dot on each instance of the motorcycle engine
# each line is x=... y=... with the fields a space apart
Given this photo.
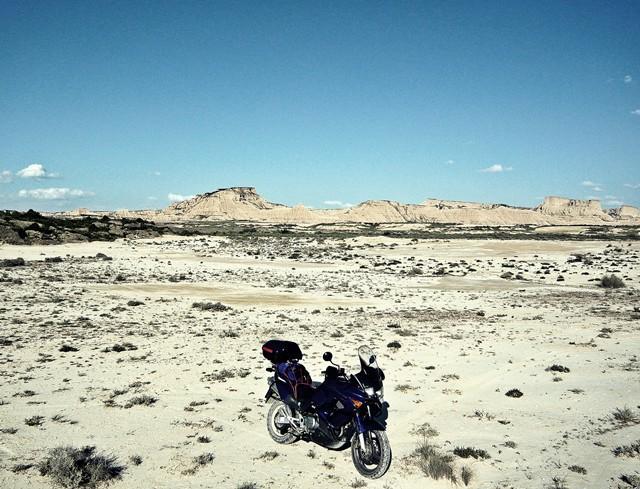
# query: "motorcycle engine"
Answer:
x=310 y=423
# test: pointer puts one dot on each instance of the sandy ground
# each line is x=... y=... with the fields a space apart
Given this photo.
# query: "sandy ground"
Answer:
x=467 y=337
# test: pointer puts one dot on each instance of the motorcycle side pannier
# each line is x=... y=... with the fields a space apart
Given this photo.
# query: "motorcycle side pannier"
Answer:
x=278 y=351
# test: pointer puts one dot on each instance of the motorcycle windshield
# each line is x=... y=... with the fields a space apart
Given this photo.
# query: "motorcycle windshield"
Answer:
x=370 y=370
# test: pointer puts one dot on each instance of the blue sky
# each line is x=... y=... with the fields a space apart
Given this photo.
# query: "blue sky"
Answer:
x=122 y=104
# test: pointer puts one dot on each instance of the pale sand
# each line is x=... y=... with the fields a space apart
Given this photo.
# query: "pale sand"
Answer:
x=528 y=326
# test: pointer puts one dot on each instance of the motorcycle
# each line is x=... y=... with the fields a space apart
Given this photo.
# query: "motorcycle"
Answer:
x=341 y=412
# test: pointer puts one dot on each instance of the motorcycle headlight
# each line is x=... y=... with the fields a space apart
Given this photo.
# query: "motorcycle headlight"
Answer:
x=369 y=391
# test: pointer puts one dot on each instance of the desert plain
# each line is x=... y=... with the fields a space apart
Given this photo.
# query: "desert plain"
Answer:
x=149 y=350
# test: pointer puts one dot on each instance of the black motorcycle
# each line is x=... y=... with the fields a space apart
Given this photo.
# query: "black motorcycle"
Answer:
x=343 y=411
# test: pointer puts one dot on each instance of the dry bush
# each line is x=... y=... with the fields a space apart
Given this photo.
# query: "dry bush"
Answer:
x=611 y=282
x=80 y=467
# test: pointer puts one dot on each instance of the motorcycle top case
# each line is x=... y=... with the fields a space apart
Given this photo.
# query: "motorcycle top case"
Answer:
x=278 y=351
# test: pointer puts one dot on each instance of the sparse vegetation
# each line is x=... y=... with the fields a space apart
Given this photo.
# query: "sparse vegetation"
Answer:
x=631 y=450
x=577 y=469
x=269 y=455
x=434 y=463
x=142 y=400
x=466 y=452
x=79 y=467
x=625 y=416
x=210 y=306
x=611 y=282
x=466 y=475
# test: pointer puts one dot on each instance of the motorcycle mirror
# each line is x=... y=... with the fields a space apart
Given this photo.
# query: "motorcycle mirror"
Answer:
x=372 y=359
x=327 y=356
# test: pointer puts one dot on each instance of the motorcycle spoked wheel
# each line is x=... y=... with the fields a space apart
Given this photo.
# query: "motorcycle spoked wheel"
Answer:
x=280 y=432
x=374 y=460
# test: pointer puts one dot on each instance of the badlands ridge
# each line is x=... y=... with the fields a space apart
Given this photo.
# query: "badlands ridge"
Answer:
x=245 y=204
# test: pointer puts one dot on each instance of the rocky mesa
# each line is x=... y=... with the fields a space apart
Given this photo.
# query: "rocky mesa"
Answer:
x=245 y=204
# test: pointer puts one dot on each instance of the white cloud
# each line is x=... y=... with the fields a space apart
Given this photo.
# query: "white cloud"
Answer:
x=337 y=203
x=614 y=202
x=449 y=162
x=497 y=168
x=156 y=173
x=627 y=79
x=593 y=186
x=636 y=112
x=36 y=170
x=634 y=186
x=54 y=193
x=151 y=197
x=178 y=198
x=611 y=197
x=6 y=176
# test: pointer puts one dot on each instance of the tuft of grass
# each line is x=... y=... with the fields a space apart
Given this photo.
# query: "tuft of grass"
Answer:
x=434 y=463
x=625 y=416
x=9 y=431
x=466 y=452
x=79 y=467
x=135 y=459
x=510 y=444
x=404 y=387
x=269 y=455
x=577 y=469
x=557 y=482
x=466 y=474
x=203 y=459
x=311 y=454
x=143 y=400
x=247 y=485
x=358 y=483
x=611 y=282
x=34 y=421
x=632 y=450
x=203 y=439
x=394 y=344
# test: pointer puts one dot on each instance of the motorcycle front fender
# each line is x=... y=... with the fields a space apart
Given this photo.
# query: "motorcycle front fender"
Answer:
x=372 y=423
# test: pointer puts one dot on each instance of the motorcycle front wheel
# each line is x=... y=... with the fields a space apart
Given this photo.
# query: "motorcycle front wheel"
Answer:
x=373 y=459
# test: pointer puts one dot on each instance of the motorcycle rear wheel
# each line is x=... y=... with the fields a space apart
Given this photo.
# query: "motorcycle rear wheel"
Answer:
x=279 y=432
x=374 y=462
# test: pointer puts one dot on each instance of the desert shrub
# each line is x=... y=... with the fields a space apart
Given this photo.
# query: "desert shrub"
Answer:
x=143 y=400
x=434 y=463
x=558 y=368
x=210 y=306
x=79 y=467
x=358 y=483
x=134 y=303
x=625 y=416
x=34 y=421
x=466 y=474
x=203 y=459
x=135 y=459
x=514 y=393
x=611 y=282
x=247 y=485
x=577 y=469
x=632 y=450
x=269 y=455
x=466 y=452
x=394 y=344
x=557 y=483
